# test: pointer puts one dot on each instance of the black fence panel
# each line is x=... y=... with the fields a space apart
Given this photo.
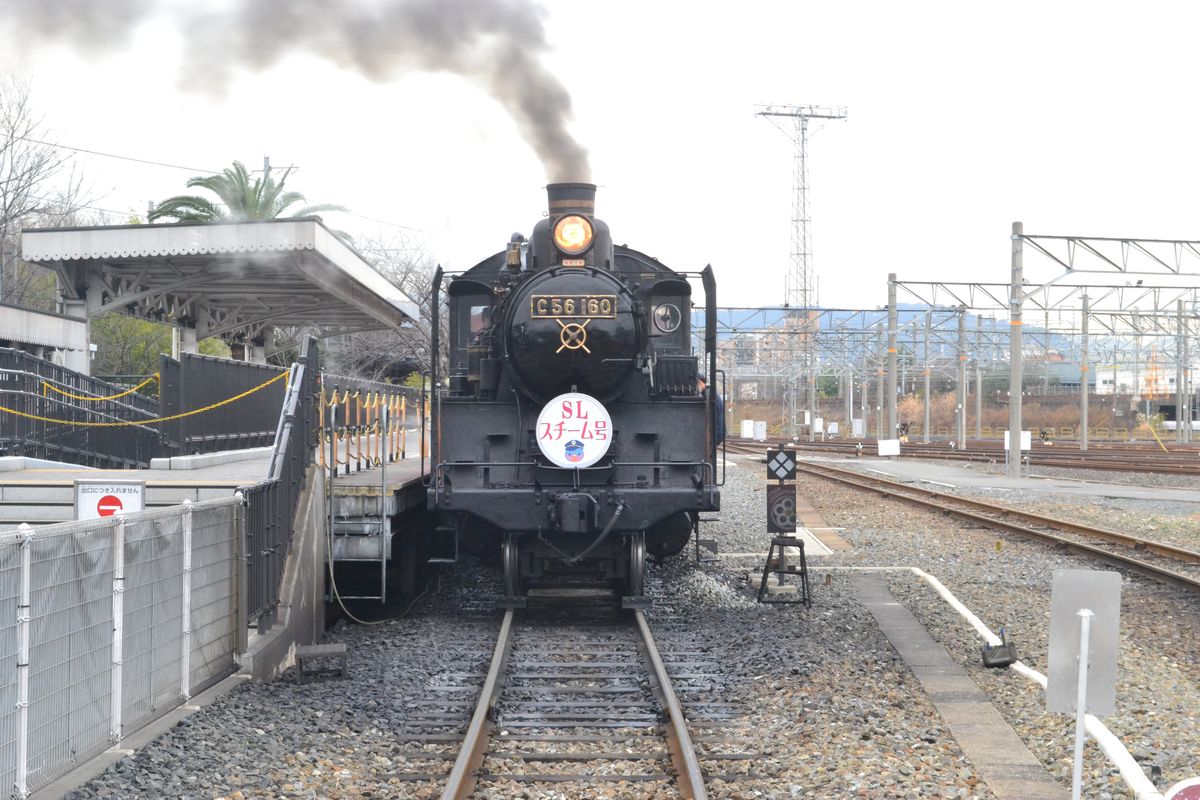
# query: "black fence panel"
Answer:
x=271 y=504
x=206 y=382
x=49 y=411
x=169 y=404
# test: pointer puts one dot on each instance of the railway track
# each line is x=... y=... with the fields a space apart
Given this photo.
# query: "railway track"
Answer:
x=1158 y=560
x=1178 y=460
x=577 y=706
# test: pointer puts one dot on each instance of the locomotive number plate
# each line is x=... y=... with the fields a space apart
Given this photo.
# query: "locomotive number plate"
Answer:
x=558 y=306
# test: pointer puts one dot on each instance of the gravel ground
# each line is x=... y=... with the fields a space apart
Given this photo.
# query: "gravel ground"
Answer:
x=1158 y=693
x=832 y=710
x=1172 y=522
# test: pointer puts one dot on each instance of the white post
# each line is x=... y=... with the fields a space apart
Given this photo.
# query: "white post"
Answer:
x=384 y=523
x=24 y=622
x=118 y=635
x=185 y=656
x=1085 y=624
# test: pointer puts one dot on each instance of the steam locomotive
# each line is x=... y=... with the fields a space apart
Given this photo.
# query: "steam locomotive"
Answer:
x=571 y=436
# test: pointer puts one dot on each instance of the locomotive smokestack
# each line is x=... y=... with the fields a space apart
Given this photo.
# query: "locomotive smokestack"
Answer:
x=582 y=244
x=571 y=198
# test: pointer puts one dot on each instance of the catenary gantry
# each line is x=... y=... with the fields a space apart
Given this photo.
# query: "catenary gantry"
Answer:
x=1122 y=304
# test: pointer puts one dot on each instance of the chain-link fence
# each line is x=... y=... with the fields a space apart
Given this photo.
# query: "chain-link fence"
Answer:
x=106 y=625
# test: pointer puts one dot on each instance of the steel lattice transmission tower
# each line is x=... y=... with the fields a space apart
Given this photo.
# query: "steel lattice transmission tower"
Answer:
x=800 y=283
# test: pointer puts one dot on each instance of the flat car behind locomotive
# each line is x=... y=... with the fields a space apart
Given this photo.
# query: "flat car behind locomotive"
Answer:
x=571 y=436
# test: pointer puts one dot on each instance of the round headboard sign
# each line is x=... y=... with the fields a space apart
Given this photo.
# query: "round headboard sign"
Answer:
x=574 y=430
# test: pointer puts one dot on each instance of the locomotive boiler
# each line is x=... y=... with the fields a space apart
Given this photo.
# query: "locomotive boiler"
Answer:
x=570 y=435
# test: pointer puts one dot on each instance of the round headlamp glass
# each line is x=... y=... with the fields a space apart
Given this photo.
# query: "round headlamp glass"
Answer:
x=573 y=234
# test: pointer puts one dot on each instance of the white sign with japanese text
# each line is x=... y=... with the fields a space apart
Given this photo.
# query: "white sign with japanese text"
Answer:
x=574 y=430
x=104 y=497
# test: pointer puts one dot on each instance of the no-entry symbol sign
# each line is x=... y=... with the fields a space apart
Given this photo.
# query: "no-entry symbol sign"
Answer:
x=96 y=498
x=109 y=505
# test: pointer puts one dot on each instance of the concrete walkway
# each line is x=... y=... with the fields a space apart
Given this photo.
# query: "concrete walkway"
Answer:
x=995 y=750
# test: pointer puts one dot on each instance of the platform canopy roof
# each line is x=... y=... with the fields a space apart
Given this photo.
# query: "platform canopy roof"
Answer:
x=222 y=278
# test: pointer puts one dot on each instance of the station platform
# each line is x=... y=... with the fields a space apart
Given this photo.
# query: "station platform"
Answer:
x=951 y=476
x=41 y=492
x=399 y=476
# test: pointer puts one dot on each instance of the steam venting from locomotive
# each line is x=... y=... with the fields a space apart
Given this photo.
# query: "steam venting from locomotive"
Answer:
x=496 y=44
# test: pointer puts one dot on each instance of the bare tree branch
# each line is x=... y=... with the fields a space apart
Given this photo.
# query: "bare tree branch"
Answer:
x=39 y=185
x=389 y=355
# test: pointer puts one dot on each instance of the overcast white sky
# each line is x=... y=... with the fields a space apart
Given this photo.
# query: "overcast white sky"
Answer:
x=1076 y=118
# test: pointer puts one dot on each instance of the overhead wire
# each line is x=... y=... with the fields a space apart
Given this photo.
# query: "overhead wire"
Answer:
x=115 y=155
x=168 y=165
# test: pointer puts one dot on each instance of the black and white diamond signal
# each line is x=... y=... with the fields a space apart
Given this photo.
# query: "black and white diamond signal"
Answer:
x=781 y=465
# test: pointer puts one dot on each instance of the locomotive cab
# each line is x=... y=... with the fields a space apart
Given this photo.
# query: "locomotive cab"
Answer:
x=571 y=437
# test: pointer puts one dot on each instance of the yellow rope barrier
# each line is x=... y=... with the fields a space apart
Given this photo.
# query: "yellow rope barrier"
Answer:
x=361 y=436
x=93 y=398
x=152 y=420
x=1154 y=433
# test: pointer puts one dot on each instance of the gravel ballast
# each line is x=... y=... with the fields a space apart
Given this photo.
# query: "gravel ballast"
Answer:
x=832 y=712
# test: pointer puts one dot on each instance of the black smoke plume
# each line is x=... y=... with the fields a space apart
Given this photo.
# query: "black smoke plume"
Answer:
x=497 y=44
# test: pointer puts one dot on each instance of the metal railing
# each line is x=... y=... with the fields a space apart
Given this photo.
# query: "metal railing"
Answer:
x=53 y=412
x=271 y=504
x=108 y=624
x=351 y=420
x=204 y=404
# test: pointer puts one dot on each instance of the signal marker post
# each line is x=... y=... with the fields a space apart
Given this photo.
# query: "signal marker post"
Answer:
x=781 y=519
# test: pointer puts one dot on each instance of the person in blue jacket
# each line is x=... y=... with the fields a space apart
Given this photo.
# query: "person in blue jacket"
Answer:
x=701 y=383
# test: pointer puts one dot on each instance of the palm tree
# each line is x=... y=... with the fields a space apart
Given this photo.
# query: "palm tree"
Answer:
x=241 y=199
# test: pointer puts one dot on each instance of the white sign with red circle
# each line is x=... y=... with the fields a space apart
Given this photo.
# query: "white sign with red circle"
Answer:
x=574 y=430
x=1188 y=789
x=103 y=497
x=109 y=505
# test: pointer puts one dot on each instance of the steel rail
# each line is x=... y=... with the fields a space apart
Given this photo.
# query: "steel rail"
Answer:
x=939 y=501
x=463 y=775
x=679 y=741
x=1179 y=461
x=1138 y=543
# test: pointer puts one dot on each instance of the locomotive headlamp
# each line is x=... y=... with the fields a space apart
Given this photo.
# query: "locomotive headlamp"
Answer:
x=573 y=234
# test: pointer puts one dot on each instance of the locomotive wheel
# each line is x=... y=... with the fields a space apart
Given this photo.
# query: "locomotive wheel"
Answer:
x=510 y=556
x=637 y=565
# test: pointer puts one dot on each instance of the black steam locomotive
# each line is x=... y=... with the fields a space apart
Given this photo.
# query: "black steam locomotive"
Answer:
x=572 y=437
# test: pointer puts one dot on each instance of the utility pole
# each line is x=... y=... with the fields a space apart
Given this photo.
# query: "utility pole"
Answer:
x=849 y=402
x=1179 y=372
x=879 y=389
x=928 y=370
x=960 y=410
x=978 y=378
x=1084 y=367
x=1015 y=299
x=891 y=358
